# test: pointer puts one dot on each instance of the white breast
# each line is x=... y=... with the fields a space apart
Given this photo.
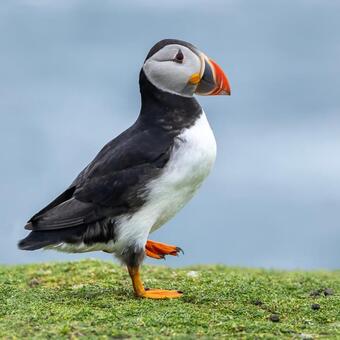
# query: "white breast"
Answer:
x=192 y=158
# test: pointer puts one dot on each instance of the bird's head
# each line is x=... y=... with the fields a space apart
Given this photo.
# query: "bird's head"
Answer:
x=178 y=67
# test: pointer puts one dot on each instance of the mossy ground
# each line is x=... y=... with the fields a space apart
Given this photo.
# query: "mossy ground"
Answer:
x=94 y=299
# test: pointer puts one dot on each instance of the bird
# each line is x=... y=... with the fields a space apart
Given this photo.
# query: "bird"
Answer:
x=144 y=176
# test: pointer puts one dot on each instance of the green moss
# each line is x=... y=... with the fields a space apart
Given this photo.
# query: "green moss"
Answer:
x=94 y=299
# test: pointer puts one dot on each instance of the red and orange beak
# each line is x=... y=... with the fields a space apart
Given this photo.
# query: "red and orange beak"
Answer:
x=211 y=81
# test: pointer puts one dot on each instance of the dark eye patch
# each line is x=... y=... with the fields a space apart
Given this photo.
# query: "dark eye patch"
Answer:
x=179 y=57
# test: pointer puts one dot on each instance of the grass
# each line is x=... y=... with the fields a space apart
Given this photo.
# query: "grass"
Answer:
x=94 y=299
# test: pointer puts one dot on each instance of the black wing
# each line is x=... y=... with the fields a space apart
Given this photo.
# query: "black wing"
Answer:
x=112 y=183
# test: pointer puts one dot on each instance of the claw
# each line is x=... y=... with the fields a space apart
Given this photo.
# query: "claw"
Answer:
x=179 y=250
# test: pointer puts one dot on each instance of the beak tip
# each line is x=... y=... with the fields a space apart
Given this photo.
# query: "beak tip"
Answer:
x=226 y=92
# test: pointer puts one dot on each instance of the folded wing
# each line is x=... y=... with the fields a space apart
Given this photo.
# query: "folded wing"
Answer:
x=111 y=184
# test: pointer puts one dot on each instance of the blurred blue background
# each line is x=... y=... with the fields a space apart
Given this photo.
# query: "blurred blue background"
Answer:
x=69 y=83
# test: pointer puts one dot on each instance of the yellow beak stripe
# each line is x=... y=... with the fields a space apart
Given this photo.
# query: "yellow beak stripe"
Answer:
x=195 y=79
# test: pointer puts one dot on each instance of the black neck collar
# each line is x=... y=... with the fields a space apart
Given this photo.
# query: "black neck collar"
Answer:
x=166 y=110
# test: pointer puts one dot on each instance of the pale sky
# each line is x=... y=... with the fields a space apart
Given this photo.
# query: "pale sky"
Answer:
x=69 y=84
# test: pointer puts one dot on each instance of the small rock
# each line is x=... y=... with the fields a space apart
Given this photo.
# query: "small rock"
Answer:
x=34 y=283
x=316 y=292
x=79 y=286
x=324 y=291
x=192 y=273
x=258 y=303
x=306 y=336
x=274 y=318
x=315 y=306
x=328 y=291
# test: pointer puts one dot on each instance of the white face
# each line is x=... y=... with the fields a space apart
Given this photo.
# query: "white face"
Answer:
x=171 y=69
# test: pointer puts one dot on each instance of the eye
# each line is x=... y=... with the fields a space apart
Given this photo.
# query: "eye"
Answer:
x=179 y=57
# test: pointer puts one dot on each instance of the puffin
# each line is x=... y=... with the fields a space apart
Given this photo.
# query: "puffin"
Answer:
x=144 y=176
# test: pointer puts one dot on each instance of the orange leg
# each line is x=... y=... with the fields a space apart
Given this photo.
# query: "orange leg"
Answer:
x=140 y=291
x=158 y=250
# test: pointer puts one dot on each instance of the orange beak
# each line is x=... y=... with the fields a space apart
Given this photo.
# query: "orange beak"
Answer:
x=213 y=80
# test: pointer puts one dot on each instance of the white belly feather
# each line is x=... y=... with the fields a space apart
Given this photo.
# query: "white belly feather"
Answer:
x=190 y=163
x=191 y=160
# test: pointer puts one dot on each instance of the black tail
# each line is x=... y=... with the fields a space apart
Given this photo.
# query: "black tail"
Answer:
x=38 y=239
x=100 y=231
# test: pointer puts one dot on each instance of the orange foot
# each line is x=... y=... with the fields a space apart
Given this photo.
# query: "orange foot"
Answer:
x=158 y=250
x=161 y=294
x=142 y=292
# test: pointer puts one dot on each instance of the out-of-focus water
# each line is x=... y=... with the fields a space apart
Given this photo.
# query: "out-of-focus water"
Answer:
x=69 y=83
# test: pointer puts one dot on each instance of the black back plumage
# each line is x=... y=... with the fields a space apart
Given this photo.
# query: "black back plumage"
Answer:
x=115 y=182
